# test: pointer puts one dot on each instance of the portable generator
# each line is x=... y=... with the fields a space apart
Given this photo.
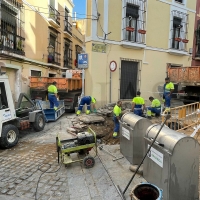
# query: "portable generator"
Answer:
x=82 y=144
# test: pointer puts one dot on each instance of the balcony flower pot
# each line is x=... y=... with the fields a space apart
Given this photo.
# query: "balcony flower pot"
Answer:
x=142 y=31
x=178 y=39
x=131 y=29
x=185 y=40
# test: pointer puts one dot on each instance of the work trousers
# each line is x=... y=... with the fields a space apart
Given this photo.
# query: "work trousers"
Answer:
x=85 y=100
x=155 y=110
x=116 y=122
x=53 y=101
x=167 y=100
x=138 y=110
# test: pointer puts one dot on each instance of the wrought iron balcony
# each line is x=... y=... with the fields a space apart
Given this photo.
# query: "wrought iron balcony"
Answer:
x=54 y=15
x=67 y=27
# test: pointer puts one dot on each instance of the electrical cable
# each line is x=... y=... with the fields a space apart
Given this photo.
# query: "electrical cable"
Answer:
x=39 y=12
x=62 y=11
x=43 y=172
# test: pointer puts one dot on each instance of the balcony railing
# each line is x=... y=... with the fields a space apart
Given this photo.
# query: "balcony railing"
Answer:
x=68 y=63
x=67 y=26
x=54 y=14
x=12 y=27
x=12 y=43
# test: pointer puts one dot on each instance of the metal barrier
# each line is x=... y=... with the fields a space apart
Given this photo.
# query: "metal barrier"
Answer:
x=183 y=117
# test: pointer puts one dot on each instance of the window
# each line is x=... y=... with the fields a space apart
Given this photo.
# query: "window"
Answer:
x=35 y=73
x=180 y=1
x=131 y=21
x=53 y=13
x=68 y=54
x=78 y=51
x=54 y=40
x=67 y=24
x=11 y=38
x=198 y=39
x=3 y=97
x=176 y=32
x=52 y=75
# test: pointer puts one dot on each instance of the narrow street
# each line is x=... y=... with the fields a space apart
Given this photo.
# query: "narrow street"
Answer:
x=22 y=166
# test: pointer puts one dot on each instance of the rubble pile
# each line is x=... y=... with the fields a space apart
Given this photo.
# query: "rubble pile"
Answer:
x=101 y=122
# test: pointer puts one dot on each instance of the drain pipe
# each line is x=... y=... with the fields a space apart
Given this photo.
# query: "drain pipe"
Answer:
x=110 y=85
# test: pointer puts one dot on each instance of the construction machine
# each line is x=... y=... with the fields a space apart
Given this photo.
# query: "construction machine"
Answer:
x=24 y=116
x=187 y=81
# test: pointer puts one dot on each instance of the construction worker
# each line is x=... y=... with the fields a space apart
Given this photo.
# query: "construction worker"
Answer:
x=138 y=104
x=52 y=96
x=155 y=107
x=87 y=100
x=168 y=89
x=116 y=117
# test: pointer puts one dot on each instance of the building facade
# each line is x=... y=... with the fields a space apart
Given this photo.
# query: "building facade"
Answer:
x=37 y=39
x=142 y=38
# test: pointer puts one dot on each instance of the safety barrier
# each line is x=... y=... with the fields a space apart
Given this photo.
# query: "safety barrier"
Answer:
x=183 y=117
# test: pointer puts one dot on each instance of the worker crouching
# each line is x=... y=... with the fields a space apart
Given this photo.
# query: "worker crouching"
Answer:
x=90 y=102
x=138 y=104
x=155 y=108
x=53 y=95
x=116 y=117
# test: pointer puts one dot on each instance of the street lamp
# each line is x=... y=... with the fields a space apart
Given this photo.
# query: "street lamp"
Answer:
x=50 y=50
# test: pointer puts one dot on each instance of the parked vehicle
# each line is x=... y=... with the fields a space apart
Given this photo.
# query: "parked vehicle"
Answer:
x=24 y=116
x=188 y=82
x=69 y=89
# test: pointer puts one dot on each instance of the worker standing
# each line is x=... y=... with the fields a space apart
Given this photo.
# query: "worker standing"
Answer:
x=52 y=96
x=116 y=117
x=89 y=101
x=168 y=89
x=155 y=108
x=138 y=104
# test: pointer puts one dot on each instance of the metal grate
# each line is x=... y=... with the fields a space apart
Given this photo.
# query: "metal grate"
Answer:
x=54 y=14
x=54 y=40
x=68 y=54
x=134 y=17
x=12 y=27
x=179 y=29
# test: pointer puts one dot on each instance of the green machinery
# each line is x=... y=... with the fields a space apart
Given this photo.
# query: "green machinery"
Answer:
x=82 y=144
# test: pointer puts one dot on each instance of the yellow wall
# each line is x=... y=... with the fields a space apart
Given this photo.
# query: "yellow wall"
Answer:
x=89 y=21
x=158 y=24
x=113 y=20
x=100 y=25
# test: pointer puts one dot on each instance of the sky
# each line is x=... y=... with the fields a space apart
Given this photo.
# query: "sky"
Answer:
x=80 y=7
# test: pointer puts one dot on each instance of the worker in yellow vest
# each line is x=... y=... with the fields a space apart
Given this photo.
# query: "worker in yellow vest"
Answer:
x=168 y=89
x=90 y=102
x=155 y=108
x=138 y=104
x=116 y=117
x=52 y=96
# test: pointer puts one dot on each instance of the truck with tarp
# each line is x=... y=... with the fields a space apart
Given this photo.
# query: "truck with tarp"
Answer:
x=69 y=89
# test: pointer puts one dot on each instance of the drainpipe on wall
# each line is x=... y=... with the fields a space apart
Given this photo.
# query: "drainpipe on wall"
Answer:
x=110 y=85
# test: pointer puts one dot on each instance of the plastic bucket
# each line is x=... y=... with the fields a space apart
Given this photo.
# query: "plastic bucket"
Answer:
x=146 y=191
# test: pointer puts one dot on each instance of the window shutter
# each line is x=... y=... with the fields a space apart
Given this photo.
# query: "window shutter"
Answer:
x=132 y=10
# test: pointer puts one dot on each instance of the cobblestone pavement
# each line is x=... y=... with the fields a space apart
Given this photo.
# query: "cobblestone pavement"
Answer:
x=22 y=166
